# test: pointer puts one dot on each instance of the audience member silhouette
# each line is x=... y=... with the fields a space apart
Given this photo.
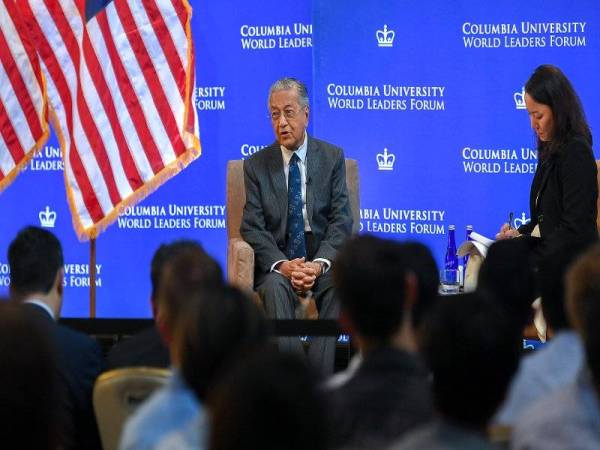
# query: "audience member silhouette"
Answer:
x=213 y=334
x=569 y=417
x=420 y=262
x=186 y=279
x=389 y=394
x=36 y=270
x=268 y=401
x=507 y=276
x=473 y=354
x=29 y=387
x=559 y=361
x=418 y=259
x=147 y=348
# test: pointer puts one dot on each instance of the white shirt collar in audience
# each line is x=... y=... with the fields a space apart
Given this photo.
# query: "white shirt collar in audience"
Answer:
x=339 y=379
x=42 y=305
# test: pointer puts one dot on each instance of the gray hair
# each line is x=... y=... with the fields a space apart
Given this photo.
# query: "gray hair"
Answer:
x=283 y=84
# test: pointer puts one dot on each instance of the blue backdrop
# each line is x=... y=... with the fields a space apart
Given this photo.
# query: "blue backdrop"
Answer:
x=426 y=95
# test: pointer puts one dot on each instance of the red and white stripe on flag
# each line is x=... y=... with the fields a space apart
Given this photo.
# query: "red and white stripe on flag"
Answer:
x=23 y=123
x=120 y=89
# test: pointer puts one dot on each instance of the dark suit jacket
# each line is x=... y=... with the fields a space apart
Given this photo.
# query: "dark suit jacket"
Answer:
x=566 y=188
x=388 y=395
x=79 y=362
x=265 y=212
x=143 y=349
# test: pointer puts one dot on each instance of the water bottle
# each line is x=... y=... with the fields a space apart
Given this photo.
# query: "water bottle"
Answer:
x=466 y=257
x=451 y=260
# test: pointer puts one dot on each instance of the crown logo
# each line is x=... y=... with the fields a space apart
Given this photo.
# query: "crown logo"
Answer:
x=47 y=218
x=385 y=160
x=522 y=221
x=385 y=37
x=519 y=98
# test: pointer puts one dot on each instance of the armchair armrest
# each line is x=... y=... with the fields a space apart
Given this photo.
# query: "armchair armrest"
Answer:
x=240 y=264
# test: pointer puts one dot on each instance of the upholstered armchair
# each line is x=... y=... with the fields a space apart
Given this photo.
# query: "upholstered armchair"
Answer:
x=240 y=256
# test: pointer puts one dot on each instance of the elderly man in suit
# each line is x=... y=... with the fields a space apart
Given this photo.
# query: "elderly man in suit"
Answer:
x=297 y=215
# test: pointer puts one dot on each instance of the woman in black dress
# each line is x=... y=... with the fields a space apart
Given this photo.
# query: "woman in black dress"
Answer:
x=564 y=191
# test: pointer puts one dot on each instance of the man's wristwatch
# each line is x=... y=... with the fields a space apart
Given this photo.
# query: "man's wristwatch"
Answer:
x=322 y=265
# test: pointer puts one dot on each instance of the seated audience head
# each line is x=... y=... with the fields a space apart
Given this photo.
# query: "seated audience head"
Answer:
x=552 y=273
x=507 y=277
x=268 y=401
x=28 y=389
x=36 y=267
x=421 y=263
x=215 y=330
x=377 y=289
x=164 y=254
x=183 y=278
x=469 y=347
x=583 y=305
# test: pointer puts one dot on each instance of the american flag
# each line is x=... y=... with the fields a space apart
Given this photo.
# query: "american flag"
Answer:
x=23 y=125
x=120 y=77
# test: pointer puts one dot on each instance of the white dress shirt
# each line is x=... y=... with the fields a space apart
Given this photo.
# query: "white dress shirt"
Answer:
x=287 y=156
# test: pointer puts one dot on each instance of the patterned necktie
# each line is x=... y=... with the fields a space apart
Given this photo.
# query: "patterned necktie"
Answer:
x=296 y=246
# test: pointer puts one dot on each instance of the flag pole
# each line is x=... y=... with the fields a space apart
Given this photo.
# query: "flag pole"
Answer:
x=93 y=278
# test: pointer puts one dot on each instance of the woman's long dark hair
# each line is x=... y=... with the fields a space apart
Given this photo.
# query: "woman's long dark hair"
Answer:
x=549 y=86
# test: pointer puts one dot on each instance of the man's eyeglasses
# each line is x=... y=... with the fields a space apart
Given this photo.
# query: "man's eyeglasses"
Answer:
x=287 y=113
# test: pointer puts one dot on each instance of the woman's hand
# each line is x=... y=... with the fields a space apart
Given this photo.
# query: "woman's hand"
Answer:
x=506 y=232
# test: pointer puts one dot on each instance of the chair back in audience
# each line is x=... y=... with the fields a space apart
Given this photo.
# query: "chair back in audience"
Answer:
x=118 y=393
x=499 y=436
